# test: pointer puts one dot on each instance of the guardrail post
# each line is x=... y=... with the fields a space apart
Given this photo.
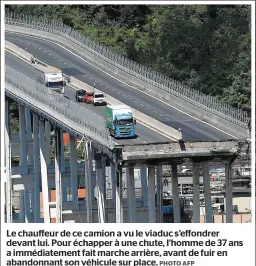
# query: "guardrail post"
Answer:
x=100 y=188
x=44 y=176
x=144 y=185
x=23 y=144
x=196 y=193
x=175 y=194
x=8 y=156
x=58 y=176
x=229 y=193
x=207 y=194
x=159 y=193
x=151 y=194
x=73 y=168
x=119 y=195
x=88 y=181
x=36 y=205
x=131 y=194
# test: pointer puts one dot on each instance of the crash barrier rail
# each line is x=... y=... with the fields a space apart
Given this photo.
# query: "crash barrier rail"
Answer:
x=147 y=121
x=175 y=93
x=77 y=118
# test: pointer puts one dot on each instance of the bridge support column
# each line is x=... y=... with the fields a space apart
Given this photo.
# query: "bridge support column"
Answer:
x=100 y=188
x=8 y=187
x=196 y=194
x=113 y=181
x=73 y=168
x=21 y=205
x=151 y=194
x=207 y=194
x=119 y=195
x=88 y=181
x=62 y=157
x=229 y=193
x=28 y=218
x=23 y=144
x=36 y=205
x=131 y=194
x=104 y=180
x=47 y=132
x=144 y=185
x=175 y=194
x=90 y=162
x=159 y=193
x=58 y=183
x=29 y=133
x=44 y=179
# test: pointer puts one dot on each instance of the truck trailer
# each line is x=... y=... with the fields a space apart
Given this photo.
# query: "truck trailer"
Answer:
x=51 y=77
x=120 y=121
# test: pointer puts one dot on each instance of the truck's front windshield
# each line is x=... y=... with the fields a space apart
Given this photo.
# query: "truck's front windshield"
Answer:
x=125 y=122
x=58 y=84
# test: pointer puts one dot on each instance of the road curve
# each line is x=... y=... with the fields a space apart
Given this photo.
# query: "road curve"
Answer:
x=54 y=55
x=145 y=135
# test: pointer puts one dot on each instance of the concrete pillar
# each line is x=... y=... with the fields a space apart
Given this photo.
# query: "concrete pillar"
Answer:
x=8 y=187
x=28 y=216
x=90 y=167
x=229 y=193
x=29 y=133
x=58 y=184
x=73 y=169
x=47 y=135
x=36 y=205
x=100 y=190
x=144 y=185
x=159 y=193
x=113 y=181
x=151 y=194
x=131 y=194
x=175 y=194
x=62 y=157
x=44 y=179
x=88 y=181
x=104 y=180
x=119 y=195
x=207 y=194
x=23 y=144
x=196 y=194
x=21 y=206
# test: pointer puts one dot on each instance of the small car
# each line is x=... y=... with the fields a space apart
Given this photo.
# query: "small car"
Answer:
x=80 y=94
x=99 y=99
x=88 y=98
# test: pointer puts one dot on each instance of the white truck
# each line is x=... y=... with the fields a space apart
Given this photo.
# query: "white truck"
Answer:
x=51 y=77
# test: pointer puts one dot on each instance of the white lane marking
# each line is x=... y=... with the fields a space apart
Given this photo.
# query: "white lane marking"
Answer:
x=135 y=101
x=118 y=92
x=90 y=78
x=142 y=104
x=44 y=51
x=49 y=54
x=59 y=60
x=54 y=57
x=65 y=63
x=130 y=98
x=161 y=115
x=154 y=111
x=144 y=141
x=167 y=118
x=70 y=66
x=101 y=84
x=148 y=108
x=138 y=138
x=40 y=38
x=124 y=95
x=28 y=42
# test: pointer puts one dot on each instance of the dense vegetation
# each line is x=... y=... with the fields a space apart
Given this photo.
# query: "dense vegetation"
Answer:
x=207 y=47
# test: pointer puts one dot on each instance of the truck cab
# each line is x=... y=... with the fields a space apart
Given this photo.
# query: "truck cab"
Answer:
x=88 y=98
x=99 y=99
x=120 y=121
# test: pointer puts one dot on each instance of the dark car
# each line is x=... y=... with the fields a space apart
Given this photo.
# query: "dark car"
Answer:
x=80 y=95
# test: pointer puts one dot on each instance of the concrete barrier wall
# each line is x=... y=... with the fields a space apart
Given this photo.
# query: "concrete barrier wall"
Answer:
x=171 y=99
x=147 y=121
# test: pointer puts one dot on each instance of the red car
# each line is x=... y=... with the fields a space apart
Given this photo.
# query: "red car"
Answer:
x=88 y=97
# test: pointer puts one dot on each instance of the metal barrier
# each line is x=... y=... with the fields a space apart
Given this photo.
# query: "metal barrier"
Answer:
x=162 y=84
x=75 y=117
